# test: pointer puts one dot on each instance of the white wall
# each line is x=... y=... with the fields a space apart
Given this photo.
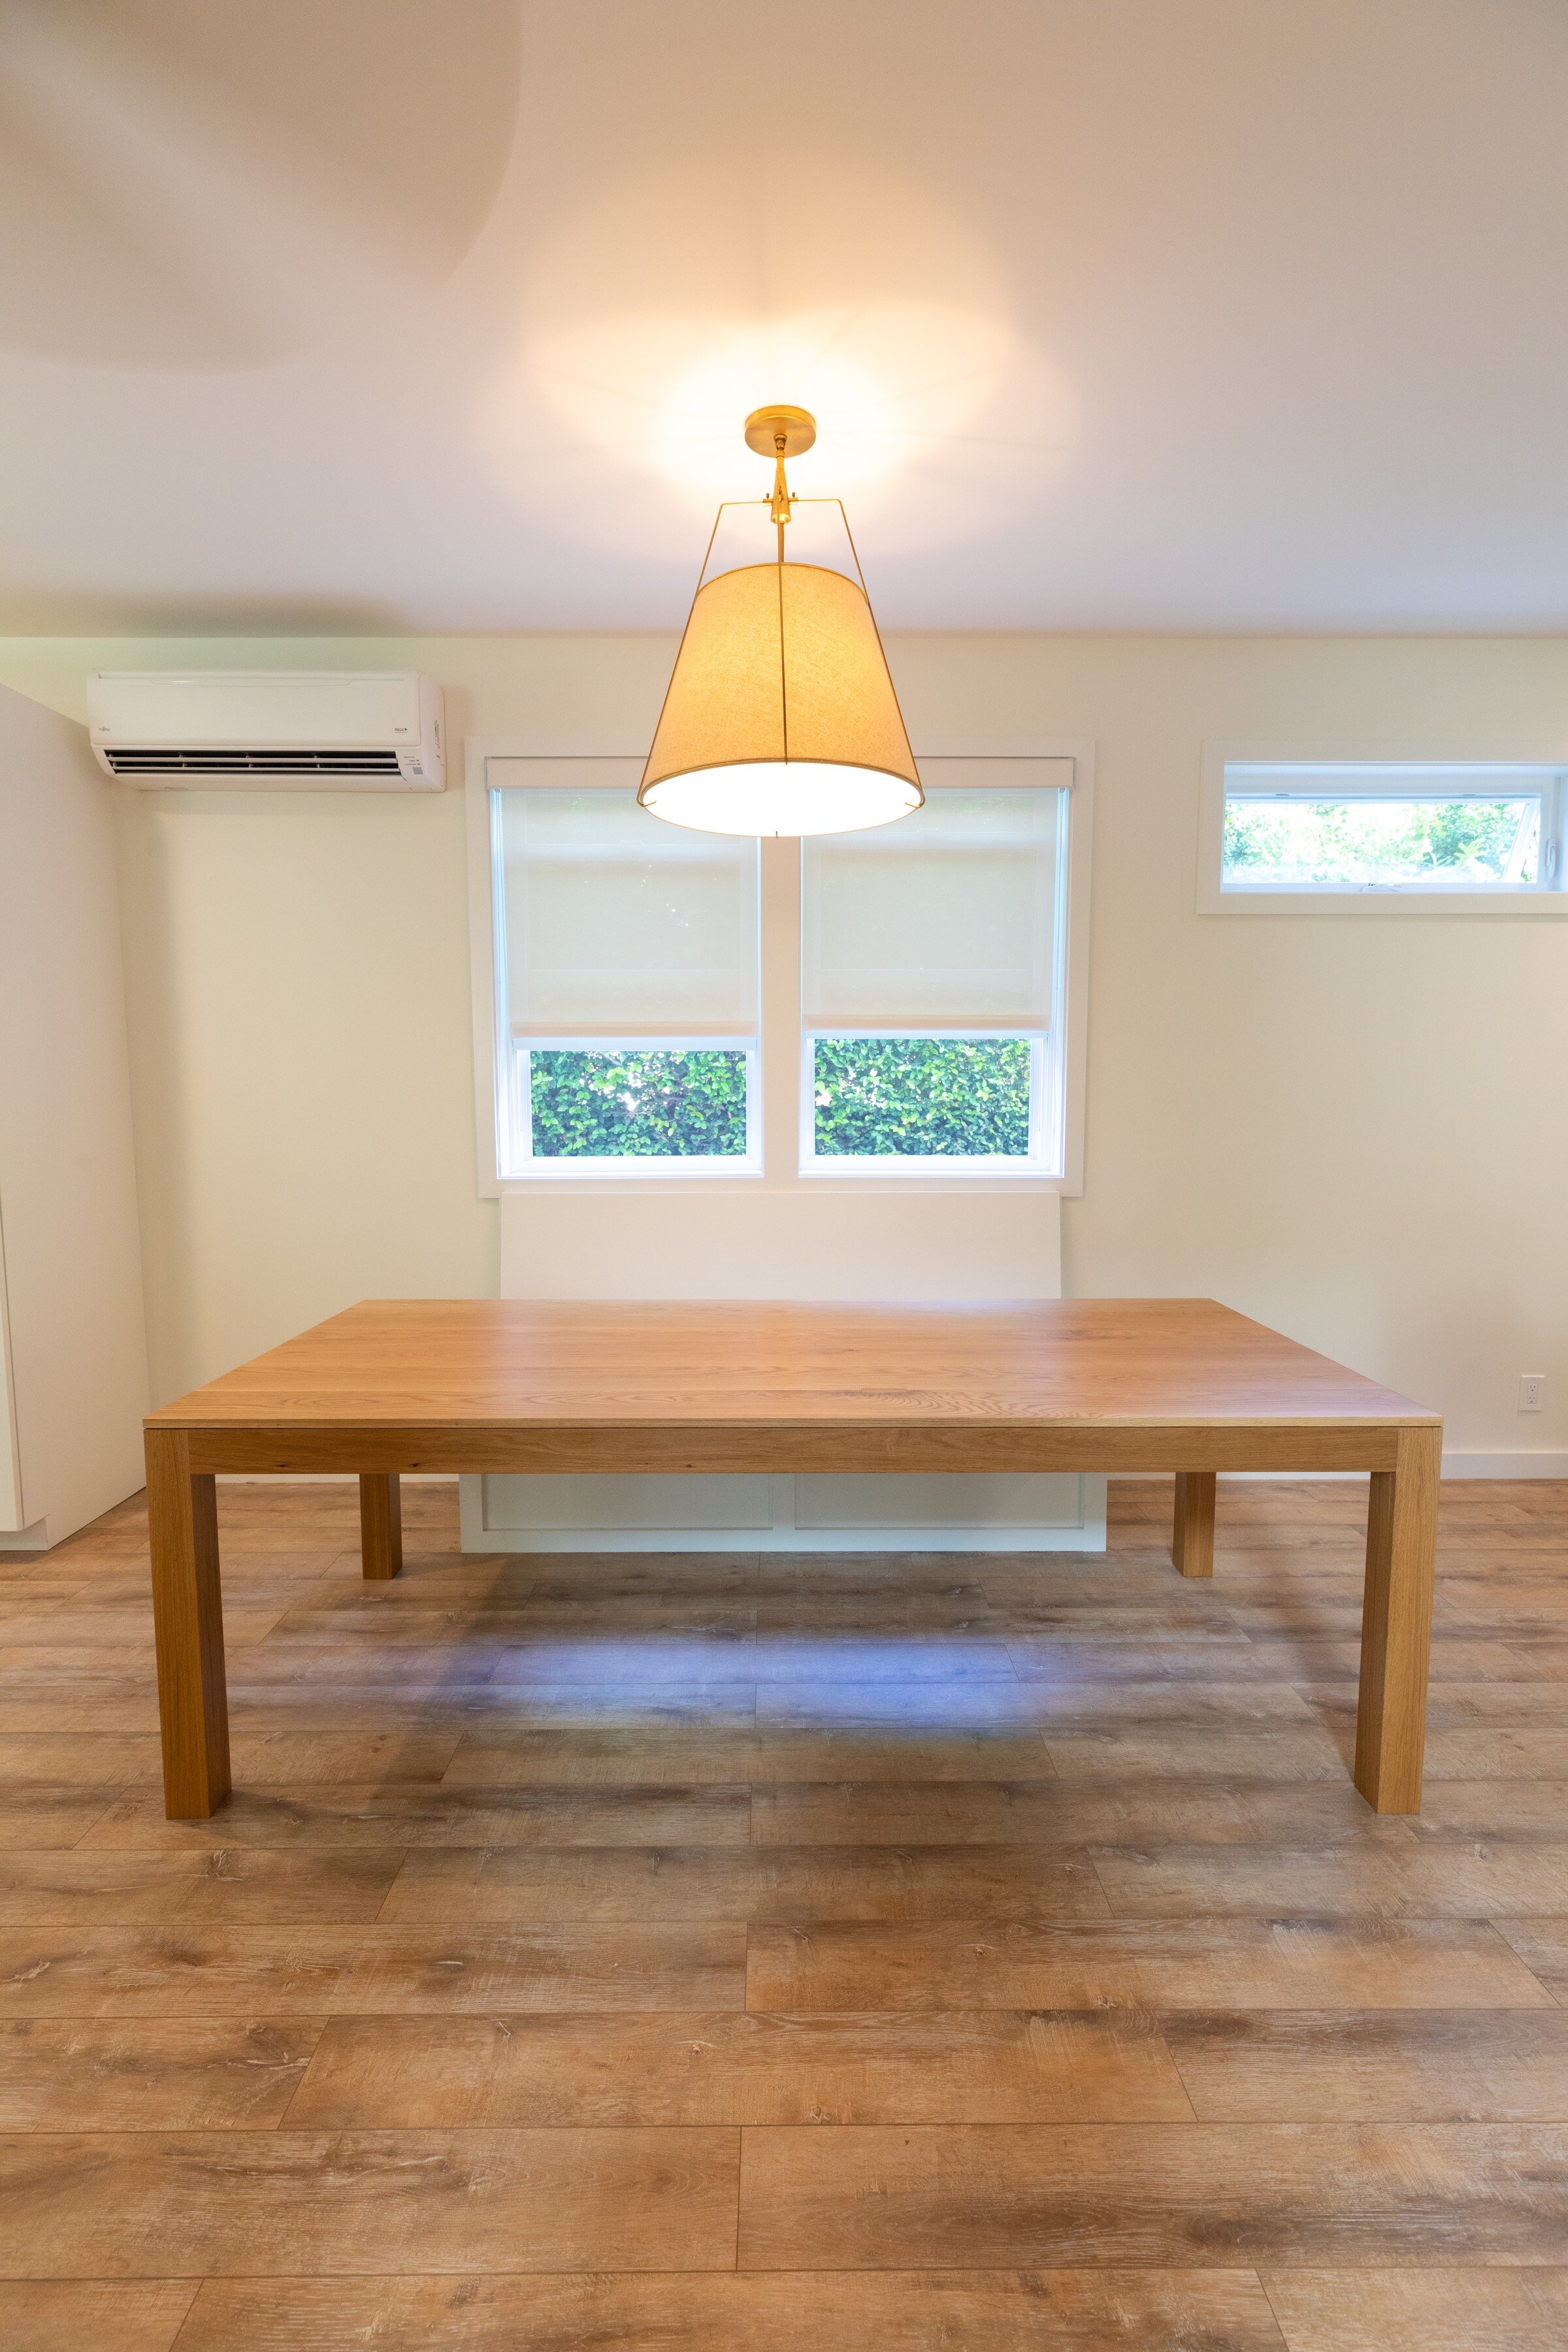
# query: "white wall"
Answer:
x=1353 y=1128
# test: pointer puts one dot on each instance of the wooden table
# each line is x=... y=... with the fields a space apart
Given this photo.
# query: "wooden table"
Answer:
x=1113 y=1384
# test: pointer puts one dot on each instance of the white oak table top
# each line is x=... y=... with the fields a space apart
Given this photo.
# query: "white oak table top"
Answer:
x=454 y=1363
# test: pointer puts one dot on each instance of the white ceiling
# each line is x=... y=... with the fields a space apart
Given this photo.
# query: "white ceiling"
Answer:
x=383 y=314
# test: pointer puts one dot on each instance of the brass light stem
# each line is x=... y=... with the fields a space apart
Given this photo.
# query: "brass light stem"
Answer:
x=779 y=510
x=780 y=433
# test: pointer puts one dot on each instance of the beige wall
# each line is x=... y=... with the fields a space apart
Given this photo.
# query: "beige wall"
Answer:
x=1354 y=1126
x=71 y=1319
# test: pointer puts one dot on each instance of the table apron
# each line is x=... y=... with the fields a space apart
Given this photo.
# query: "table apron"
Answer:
x=802 y=1446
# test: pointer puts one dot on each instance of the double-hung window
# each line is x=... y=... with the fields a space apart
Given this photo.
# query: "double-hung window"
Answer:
x=904 y=1002
x=626 y=972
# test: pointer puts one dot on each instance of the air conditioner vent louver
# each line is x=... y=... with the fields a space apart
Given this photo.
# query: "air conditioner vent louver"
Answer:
x=234 y=763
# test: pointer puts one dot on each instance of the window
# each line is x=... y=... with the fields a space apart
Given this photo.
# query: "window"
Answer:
x=659 y=1004
x=929 y=956
x=1297 y=835
x=627 y=981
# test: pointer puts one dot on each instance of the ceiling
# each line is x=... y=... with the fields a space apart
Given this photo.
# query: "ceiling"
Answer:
x=445 y=314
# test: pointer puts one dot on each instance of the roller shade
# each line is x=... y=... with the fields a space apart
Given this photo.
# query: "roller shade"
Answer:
x=946 y=920
x=617 y=925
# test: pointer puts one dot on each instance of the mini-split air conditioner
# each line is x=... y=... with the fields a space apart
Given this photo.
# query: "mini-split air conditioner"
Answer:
x=367 y=730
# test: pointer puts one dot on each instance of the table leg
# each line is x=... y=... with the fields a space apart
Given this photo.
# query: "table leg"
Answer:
x=188 y=1621
x=1396 y=1624
x=1192 y=1544
x=381 y=1524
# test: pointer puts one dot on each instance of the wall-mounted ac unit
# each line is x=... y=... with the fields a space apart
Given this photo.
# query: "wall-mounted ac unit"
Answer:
x=368 y=730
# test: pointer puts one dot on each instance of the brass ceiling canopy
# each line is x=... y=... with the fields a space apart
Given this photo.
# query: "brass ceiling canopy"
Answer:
x=767 y=427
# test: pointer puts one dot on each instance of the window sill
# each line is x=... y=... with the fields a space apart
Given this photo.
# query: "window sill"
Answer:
x=1454 y=904
x=569 y=1173
x=868 y=1178
x=886 y=1167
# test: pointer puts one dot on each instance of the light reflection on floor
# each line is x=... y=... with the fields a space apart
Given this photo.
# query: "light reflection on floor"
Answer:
x=925 y=1682
x=910 y=1648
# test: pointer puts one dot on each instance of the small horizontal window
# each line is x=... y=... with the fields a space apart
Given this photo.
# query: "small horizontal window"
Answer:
x=1291 y=832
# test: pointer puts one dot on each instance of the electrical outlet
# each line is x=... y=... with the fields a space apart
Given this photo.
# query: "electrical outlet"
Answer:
x=1531 y=1391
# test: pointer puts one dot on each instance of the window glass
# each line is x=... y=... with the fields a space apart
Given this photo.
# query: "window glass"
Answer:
x=1395 y=828
x=637 y=1102
x=946 y=1098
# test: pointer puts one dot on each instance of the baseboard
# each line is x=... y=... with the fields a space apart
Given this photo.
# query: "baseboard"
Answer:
x=1528 y=1462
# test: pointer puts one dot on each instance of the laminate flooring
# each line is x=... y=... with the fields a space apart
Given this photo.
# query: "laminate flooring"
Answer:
x=739 y=1954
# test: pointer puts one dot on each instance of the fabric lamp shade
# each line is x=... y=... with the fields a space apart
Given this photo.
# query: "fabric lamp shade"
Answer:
x=780 y=716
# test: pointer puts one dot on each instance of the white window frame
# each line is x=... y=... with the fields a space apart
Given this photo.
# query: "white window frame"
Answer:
x=1368 y=772
x=777 y=1094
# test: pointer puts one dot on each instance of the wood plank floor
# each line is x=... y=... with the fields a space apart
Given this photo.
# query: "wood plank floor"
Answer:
x=752 y=1955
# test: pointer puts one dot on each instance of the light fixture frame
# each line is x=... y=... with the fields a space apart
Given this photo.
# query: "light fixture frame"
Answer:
x=783 y=431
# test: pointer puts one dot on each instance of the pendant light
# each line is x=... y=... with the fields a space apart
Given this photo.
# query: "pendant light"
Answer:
x=780 y=716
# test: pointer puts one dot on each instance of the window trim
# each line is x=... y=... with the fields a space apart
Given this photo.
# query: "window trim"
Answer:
x=1064 y=764
x=1213 y=898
